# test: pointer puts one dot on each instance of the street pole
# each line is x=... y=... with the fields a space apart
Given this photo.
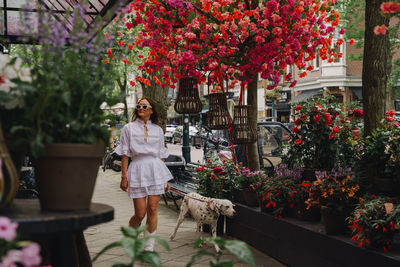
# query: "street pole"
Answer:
x=186 y=144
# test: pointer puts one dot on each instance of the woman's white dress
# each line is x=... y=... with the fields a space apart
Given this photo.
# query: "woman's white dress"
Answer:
x=147 y=173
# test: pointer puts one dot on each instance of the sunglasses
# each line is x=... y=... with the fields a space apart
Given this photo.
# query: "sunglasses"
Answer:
x=144 y=107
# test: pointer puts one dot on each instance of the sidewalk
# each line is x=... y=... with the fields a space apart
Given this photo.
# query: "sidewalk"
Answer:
x=107 y=192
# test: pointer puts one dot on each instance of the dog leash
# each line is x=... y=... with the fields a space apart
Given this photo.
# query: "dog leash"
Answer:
x=183 y=194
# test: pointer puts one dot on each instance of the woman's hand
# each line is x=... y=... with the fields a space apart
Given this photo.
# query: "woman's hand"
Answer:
x=124 y=183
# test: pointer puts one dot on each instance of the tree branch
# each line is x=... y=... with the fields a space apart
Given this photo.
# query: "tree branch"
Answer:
x=207 y=15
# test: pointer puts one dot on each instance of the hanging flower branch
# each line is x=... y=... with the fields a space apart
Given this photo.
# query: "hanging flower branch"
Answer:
x=237 y=38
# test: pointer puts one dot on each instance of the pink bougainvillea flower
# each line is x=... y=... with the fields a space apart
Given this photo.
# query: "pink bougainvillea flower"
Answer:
x=30 y=255
x=11 y=259
x=8 y=229
x=390 y=7
x=342 y=31
x=380 y=29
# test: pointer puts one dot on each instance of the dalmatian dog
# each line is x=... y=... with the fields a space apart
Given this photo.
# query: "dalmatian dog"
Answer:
x=205 y=211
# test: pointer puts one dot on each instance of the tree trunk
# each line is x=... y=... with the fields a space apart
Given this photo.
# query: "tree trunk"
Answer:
x=375 y=67
x=160 y=96
x=252 y=149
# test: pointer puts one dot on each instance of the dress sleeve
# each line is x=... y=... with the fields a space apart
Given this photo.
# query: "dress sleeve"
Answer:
x=163 y=150
x=124 y=145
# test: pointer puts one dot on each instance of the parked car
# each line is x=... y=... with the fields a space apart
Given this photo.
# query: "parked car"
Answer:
x=169 y=130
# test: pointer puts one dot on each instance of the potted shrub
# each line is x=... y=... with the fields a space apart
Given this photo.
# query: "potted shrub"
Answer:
x=62 y=121
x=335 y=195
x=374 y=222
x=321 y=129
x=381 y=157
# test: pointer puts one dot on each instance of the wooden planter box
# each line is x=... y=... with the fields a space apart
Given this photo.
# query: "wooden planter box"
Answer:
x=301 y=243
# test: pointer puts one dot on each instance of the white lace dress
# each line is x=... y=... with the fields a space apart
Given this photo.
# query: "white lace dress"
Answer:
x=144 y=143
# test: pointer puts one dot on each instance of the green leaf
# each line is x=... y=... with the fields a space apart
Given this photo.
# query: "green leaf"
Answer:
x=222 y=264
x=191 y=17
x=129 y=231
x=66 y=97
x=109 y=246
x=161 y=241
x=151 y=257
x=129 y=245
x=199 y=255
x=241 y=250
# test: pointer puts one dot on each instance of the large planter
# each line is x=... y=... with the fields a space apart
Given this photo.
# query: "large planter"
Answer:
x=334 y=221
x=311 y=214
x=66 y=175
x=390 y=186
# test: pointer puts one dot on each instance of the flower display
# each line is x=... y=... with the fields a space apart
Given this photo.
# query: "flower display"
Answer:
x=217 y=180
x=14 y=252
x=233 y=39
x=324 y=135
x=374 y=221
x=248 y=179
x=336 y=190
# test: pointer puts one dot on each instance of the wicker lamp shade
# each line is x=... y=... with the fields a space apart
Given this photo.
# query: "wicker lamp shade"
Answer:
x=218 y=117
x=188 y=100
x=243 y=131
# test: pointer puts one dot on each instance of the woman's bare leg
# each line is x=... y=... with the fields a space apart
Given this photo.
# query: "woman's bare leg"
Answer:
x=152 y=213
x=140 y=211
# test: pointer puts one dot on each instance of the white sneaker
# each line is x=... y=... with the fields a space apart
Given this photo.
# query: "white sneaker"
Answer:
x=149 y=246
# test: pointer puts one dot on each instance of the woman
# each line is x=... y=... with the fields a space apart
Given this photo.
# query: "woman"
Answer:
x=147 y=175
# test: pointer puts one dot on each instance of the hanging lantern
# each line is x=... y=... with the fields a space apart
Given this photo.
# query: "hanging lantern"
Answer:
x=243 y=131
x=188 y=100
x=9 y=181
x=218 y=117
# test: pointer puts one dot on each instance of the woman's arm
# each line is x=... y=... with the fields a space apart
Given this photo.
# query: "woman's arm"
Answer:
x=124 y=173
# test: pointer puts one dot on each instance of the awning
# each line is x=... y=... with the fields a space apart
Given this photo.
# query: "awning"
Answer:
x=282 y=106
x=304 y=95
x=357 y=91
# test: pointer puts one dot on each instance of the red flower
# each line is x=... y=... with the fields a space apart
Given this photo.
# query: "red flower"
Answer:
x=317 y=118
x=298 y=142
x=335 y=129
x=351 y=42
x=132 y=83
x=390 y=119
x=2 y=79
x=380 y=29
x=391 y=113
x=130 y=46
x=328 y=117
x=297 y=122
x=299 y=107
x=129 y=25
x=390 y=7
x=295 y=129
x=358 y=113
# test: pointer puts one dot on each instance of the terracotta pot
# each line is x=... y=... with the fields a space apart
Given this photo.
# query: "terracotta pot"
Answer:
x=334 y=221
x=66 y=175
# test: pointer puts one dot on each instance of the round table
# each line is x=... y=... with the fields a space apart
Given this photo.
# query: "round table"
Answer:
x=60 y=234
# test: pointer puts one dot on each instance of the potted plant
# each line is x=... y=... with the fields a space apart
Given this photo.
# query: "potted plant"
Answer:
x=381 y=157
x=335 y=195
x=216 y=180
x=374 y=221
x=62 y=121
x=245 y=186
